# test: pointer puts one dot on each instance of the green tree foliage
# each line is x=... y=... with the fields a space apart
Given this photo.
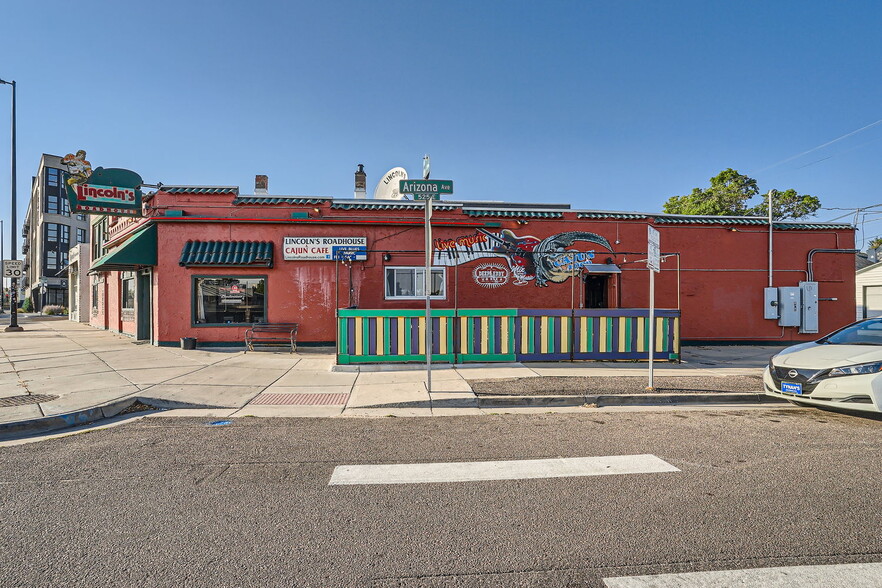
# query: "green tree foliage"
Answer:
x=729 y=193
x=874 y=243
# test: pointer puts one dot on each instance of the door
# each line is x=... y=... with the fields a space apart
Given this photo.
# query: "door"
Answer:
x=144 y=308
x=596 y=291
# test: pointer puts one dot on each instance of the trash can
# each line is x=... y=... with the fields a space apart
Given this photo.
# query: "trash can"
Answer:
x=188 y=342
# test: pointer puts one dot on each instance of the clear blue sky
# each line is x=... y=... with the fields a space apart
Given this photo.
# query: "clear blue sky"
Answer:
x=613 y=105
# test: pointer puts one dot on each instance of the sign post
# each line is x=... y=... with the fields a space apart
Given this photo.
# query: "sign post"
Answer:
x=653 y=262
x=427 y=190
x=14 y=269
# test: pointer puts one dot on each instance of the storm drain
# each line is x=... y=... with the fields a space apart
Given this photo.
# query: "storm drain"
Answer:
x=26 y=399
x=305 y=399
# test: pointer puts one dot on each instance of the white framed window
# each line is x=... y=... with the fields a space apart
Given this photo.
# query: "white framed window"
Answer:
x=408 y=283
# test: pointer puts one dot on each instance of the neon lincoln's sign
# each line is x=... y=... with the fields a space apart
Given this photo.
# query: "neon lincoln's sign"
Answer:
x=111 y=191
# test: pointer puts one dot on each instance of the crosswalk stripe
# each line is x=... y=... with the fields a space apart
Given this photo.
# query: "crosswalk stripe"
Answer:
x=859 y=575
x=421 y=473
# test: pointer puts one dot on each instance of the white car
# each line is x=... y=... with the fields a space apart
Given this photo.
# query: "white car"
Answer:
x=842 y=370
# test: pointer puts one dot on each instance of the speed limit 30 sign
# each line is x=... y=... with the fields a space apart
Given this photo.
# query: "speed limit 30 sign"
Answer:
x=12 y=268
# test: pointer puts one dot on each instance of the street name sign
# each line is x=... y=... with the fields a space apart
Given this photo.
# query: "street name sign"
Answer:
x=654 y=252
x=13 y=268
x=425 y=189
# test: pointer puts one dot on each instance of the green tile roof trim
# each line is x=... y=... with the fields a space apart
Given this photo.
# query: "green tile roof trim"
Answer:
x=392 y=205
x=200 y=189
x=279 y=200
x=227 y=253
x=512 y=213
x=811 y=226
x=621 y=215
x=747 y=220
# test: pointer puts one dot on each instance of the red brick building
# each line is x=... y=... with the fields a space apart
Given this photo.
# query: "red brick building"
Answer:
x=206 y=262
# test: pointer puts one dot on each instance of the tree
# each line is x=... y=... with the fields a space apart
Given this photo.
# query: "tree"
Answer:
x=874 y=243
x=729 y=193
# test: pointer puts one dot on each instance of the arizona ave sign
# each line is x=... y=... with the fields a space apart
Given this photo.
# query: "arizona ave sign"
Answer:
x=425 y=188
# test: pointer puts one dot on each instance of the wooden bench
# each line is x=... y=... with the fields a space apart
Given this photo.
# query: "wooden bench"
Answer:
x=271 y=334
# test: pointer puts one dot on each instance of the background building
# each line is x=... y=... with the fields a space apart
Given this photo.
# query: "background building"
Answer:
x=49 y=231
x=78 y=305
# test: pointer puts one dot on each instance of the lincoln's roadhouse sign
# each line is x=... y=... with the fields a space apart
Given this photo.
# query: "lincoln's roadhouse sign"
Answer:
x=323 y=248
x=111 y=191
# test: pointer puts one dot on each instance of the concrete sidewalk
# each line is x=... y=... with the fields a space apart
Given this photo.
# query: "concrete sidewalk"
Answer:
x=60 y=373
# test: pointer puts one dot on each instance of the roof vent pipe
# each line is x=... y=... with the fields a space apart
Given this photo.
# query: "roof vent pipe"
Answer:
x=360 y=182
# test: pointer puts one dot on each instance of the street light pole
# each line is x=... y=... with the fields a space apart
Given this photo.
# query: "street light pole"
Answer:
x=13 y=289
x=2 y=279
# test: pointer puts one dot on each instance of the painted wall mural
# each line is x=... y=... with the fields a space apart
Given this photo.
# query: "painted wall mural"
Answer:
x=530 y=259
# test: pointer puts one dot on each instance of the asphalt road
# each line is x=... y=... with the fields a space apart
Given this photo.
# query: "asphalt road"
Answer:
x=177 y=502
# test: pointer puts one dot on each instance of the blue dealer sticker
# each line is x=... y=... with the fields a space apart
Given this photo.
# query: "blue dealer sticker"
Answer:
x=791 y=388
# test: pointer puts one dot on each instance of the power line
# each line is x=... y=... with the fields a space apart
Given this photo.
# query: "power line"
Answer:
x=798 y=155
x=853 y=211
x=839 y=153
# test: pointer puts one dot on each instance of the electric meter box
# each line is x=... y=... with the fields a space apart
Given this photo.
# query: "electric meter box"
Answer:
x=790 y=306
x=809 y=307
x=770 y=303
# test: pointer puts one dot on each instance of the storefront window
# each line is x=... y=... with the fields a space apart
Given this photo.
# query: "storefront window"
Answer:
x=128 y=290
x=229 y=300
x=409 y=282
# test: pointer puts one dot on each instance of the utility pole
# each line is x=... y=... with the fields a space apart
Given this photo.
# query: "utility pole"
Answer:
x=13 y=290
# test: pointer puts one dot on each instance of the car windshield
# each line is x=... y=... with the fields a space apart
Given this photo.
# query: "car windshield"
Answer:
x=868 y=332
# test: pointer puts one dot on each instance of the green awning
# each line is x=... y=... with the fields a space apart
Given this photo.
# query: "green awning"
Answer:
x=136 y=252
x=227 y=253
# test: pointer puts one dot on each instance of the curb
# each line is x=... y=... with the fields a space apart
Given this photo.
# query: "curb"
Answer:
x=32 y=427
x=63 y=421
x=600 y=400
x=89 y=415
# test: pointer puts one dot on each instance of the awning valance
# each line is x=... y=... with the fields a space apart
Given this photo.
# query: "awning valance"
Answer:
x=136 y=252
x=227 y=253
x=602 y=268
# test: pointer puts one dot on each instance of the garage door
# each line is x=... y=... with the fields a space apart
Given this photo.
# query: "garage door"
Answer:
x=872 y=301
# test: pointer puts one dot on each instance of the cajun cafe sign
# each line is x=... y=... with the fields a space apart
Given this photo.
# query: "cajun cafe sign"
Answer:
x=324 y=248
x=111 y=191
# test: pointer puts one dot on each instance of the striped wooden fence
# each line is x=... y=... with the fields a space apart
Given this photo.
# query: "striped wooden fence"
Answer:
x=544 y=335
x=488 y=335
x=624 y=334
x=485 y=334
x=378 y=336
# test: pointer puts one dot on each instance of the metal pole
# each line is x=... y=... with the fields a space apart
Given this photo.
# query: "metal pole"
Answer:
x=651 y=325
x=13 y=294
x=2 y=279
x=770 y=238
x=428 y=286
